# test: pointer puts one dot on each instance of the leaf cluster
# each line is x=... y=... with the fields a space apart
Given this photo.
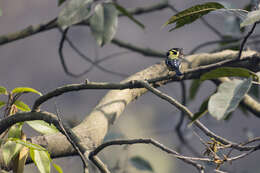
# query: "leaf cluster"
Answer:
x=15 y=148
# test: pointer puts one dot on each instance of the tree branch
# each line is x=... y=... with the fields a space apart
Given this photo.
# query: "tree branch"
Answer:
x=28 y=31
x=144 y=51
x=245 y=39
x=155 y=143
x=94 y=63
x=35 y=29
x=73 y=139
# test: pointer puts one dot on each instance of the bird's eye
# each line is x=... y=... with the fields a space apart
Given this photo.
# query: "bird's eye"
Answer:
x=174 y=53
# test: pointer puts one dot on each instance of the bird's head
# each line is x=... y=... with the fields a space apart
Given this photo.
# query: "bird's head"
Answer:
x=174 y=53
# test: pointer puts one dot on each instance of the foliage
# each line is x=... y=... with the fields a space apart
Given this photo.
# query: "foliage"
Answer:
x=74 y=12
x=228 y=72
x=194 y=88
x=193 y=13
x=15 y=147
x=126 y=13
x=3 y=90
x=228 y=97
x=25 y=90
x=60 y=2
x=202 y=111
x=103 y=23
x=141 y=164
x=42 y=127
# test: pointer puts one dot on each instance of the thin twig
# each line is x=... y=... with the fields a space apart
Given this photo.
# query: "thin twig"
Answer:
x=234 y=45
x=184 y=109
x=244 y=154
x=144 y=10
x=251 y=141
x=62 y=60
x=28 y=31
x=208 y=43
x=153 y=142
x=218 y=171
x=99 y=164
x=205 y=144
x=245 y=39
x=144 y=51
x=83 y=56
x=181 y=121
x=212 y=28
x=178 y=126
x=72 y=141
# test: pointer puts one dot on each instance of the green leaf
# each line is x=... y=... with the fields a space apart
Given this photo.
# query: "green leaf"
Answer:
x=126 y=13
x=74 y=11
x=27 y=144
x=15 y=131
x=103 y=23
x=9 y=150
x=193 y=13
x=202 y=111
x=42 y=160
x=57 y=167
x=22 y=106
x=60 y=2
x=3 y=90
x=194 y=88
x=141 y=164
x=251 y=18
x=228 y=96
x=228 y=72
x=2 y=103
x=42 y=127
x=25 y=90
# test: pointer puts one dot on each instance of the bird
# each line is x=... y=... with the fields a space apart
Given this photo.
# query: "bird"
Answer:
x=173 y=60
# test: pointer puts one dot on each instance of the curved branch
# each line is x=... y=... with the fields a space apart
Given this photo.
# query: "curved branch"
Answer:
x=83 y=56
x=245 y=39
x=155 y=143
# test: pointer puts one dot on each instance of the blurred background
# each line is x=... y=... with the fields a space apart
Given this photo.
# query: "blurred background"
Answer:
x=34 y=62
